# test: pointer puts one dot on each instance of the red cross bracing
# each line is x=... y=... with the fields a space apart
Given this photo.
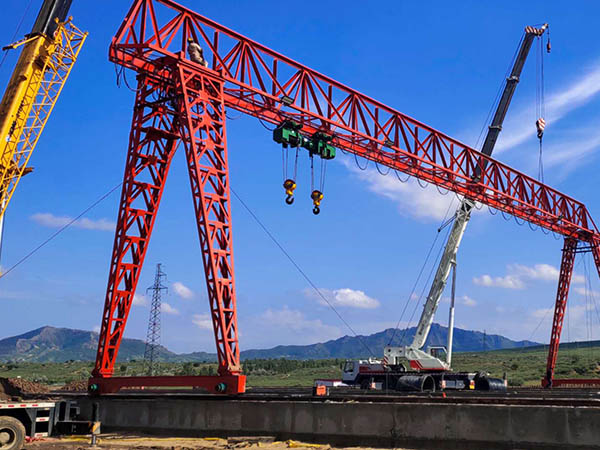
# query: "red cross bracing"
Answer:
x=179 y=101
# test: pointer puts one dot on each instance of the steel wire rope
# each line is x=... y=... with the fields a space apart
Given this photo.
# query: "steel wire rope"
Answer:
x=517 y=221
x=593 y=299
x=262 y=123
x=399 y=178
x=379 y=170
x=418 y=302
x=299 y=269
x=439 y=189
x=120 y=72
x=323 y=173
x=540 y=99
x=419 y=182
x=504 y=216
x=356 y=161
x=546 y=315
x=590 y=300
x=60 y=230
x=499 y=93
x=420 y=274
x=16 y=32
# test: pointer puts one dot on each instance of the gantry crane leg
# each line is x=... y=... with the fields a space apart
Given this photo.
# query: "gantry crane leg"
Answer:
x=152 y=143
x=205 y=142
x=191 y=109
x=562 y=294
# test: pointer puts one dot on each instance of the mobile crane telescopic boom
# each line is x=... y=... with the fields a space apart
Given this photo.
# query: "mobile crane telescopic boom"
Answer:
x=419 y=359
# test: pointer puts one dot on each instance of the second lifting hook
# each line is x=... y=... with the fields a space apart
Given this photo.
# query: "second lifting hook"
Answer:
x=289 y=186
x=316 y=197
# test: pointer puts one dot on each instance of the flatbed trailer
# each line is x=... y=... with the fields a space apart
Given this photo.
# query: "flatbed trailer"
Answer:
x=21 y=421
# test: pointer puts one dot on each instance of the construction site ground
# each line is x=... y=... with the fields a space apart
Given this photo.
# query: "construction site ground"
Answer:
x=121 y=441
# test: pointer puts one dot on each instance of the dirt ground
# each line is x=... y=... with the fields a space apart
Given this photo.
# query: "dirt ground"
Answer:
x=146 y=443
x=16 y=388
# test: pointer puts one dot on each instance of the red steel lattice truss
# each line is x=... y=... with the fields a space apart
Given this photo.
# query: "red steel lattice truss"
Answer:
x=178 y=100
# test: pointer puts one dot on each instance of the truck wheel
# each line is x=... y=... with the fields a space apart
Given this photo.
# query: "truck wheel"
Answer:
x=12 y=433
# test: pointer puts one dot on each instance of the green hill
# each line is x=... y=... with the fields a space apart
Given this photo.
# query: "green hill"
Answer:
x=49 y=344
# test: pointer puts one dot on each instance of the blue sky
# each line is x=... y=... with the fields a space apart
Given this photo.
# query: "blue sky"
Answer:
x=440 y=62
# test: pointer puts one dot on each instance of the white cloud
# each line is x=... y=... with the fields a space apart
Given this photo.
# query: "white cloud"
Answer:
x=296 y=323
x=202 y=321
x=521 y=125
x=344 y=297
x=542 y=312
x=412 y=200
x=507 y=282
x=183 y=291
x=140 y=300
x=571 y=151
x=587 y=292
x=544 y=272
x=518 y=275
x=52 y=221
x=168 y=309
x=468 y=301
x=575 y=324
x=96 y=329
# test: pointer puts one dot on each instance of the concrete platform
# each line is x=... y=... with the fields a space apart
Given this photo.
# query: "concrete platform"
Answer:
x=393 y=424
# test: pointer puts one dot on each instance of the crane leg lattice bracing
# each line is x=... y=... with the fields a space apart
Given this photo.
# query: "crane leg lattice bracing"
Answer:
x=562 y=294
x=189 y=109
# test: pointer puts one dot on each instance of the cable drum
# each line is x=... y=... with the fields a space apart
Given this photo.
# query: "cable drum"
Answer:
x=419 y=383
x=483 y=383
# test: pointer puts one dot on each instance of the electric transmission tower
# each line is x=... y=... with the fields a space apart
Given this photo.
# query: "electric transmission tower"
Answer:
x=153 y=335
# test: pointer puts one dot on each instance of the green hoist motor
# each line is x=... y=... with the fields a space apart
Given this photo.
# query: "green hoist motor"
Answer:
x=288 y=134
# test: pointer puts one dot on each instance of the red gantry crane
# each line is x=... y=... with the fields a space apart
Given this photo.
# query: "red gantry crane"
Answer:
x=182 y=101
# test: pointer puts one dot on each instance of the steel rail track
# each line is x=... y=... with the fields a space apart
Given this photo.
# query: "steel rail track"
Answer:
x=513 y=397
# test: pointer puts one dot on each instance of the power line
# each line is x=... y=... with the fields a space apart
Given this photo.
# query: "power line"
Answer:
x=59 y=231
x=17 y=31
x=299 y=269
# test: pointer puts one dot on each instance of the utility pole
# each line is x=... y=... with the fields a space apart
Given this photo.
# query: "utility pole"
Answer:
x=484 y=336
x=153 y=335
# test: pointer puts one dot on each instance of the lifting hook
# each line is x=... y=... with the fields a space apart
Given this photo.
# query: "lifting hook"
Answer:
x=316 y=197
x=289 y=186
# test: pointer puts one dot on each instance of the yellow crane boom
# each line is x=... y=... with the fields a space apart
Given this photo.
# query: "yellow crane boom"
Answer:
x=48 y=55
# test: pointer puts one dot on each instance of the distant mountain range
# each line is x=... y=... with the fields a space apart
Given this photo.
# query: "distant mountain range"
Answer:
x=49 y=344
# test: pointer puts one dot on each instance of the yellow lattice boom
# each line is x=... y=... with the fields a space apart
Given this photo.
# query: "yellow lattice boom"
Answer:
x=36 y=83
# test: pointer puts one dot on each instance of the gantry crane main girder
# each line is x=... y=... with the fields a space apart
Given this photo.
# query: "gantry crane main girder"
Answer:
x=179 y=100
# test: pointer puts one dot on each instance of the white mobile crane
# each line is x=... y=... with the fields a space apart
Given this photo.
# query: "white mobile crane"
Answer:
x=431 y=368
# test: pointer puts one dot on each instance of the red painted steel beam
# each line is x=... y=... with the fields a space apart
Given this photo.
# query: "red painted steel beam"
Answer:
x=576 y=382
x=256 y=79
x=204 y=138
x=562 y=294
x=152 y=143
x=214 y=384
x=189 y=109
